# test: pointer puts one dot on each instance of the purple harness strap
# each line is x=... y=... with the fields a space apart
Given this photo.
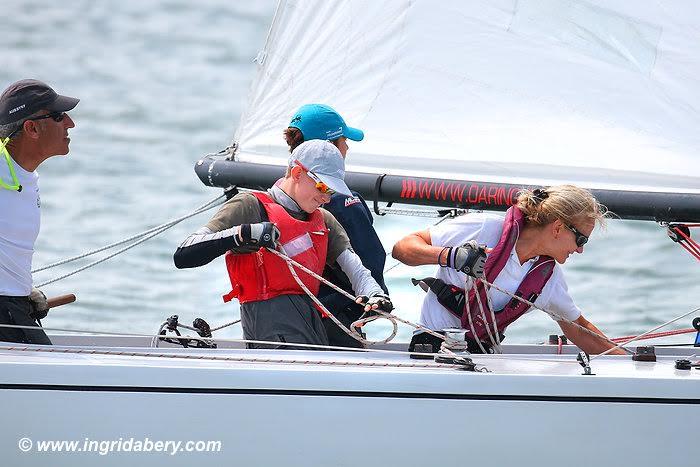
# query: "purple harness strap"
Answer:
x=529 y=289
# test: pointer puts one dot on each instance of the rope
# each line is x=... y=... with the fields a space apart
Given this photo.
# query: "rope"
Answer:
x=483 y=316
x=380 y=313
x=682 y=238
x=610 y=341
x=561 y=318
x=320 y=305
x=225 y=325
x=144 y=236
x=656 y=335
x=642 y=335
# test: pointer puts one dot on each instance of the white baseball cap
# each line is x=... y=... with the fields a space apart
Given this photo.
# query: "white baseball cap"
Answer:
x=322 y=159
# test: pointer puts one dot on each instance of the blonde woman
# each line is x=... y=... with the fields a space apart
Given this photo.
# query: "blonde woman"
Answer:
x=539 y=233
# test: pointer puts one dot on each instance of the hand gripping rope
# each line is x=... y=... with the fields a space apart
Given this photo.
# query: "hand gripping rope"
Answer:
x=291 y=264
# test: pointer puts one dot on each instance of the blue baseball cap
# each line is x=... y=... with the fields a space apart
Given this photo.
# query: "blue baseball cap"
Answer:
x=318 y=121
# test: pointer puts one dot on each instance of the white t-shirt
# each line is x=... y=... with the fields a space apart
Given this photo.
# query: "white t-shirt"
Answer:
x=487 y=229
x=19 y=228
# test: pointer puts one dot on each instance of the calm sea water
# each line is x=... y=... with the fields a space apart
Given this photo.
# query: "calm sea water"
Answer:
x=162 y=83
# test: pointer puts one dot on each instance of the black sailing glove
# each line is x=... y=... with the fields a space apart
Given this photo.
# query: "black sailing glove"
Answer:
x=468 y=258
x=261 y=235
x=39 y=306
x=377 y=301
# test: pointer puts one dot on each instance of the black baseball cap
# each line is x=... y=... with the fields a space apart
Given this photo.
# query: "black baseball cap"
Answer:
x=23 y=98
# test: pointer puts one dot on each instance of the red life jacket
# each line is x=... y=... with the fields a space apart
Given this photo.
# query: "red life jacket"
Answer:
x=261 y=275
x=530 y=288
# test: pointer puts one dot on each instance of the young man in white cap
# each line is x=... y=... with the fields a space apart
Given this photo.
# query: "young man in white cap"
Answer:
x=288 y=217
x=319 y=121
x=33 y=127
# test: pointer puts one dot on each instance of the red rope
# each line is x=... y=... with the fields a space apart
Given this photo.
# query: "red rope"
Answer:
x=693 y=250
x=617 y=340
x=692 y=247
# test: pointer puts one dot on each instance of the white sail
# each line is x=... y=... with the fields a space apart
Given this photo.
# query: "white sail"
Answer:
x=602 y=93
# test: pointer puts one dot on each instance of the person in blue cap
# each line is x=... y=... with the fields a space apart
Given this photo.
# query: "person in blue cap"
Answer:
x=318 y=121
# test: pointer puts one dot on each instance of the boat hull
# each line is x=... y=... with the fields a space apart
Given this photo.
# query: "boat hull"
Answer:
x=299 y=408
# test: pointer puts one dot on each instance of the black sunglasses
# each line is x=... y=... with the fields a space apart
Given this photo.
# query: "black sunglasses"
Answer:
x=580 y=238
x=56 y=116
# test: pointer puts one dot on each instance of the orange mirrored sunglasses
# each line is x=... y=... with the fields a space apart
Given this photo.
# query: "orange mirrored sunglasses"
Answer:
x=320 y=184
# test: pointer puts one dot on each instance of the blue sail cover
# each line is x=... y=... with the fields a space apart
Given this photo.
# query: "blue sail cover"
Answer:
x=601 y=93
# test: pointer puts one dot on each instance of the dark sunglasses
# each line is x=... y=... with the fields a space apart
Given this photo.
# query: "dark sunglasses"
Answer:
x=580 y=238
x=56 y=116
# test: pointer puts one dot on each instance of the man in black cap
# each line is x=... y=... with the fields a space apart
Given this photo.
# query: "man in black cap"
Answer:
x=33 y=127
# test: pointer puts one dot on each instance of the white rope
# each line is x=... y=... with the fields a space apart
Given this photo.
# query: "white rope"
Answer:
x=325 y=310
x=380 y=313
x=471 y=322
x=153 y=232
x=386 y=315
x=493 y=318
x=483 y=317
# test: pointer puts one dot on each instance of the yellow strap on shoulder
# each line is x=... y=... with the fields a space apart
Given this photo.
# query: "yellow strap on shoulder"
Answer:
x=15 y=186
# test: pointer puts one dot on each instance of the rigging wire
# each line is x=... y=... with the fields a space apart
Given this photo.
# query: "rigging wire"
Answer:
x=142 y=237
x=639 y=337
